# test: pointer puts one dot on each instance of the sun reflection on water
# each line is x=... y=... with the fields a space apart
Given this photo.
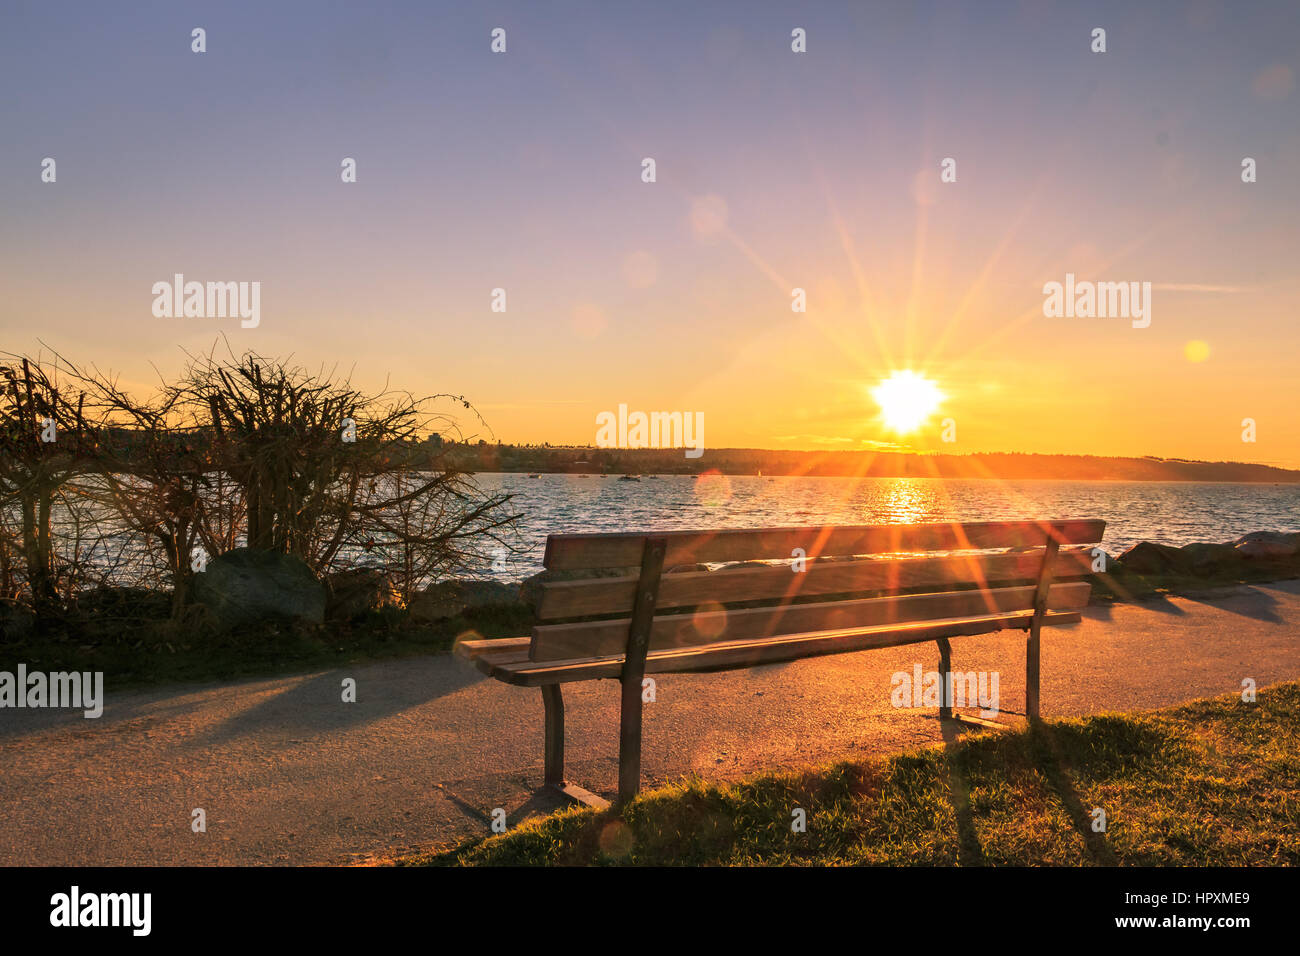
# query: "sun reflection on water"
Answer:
x=910 y=501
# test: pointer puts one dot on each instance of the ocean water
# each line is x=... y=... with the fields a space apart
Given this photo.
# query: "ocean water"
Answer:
x=1167 y=512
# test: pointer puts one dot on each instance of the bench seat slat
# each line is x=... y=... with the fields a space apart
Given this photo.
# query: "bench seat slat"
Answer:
x=495 y=647
x=732 y=655
x=620 y=550
x=607 y=638
x=561 y=599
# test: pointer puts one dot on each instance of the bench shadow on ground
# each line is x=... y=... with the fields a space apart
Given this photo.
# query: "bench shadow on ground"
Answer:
x=312 y=705
x=1049 y=761
x=1046 y=757
x=521 y=794
x=969 y=850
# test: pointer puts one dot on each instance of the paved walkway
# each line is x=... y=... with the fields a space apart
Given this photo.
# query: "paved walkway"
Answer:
x=287 y=773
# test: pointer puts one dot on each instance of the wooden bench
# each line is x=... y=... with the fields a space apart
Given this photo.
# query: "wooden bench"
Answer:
x=942 y=581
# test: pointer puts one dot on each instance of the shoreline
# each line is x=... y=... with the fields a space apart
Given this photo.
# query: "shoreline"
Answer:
x=534 y=472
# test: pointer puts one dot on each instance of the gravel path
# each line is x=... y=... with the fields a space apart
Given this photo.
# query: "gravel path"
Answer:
x=287 y=773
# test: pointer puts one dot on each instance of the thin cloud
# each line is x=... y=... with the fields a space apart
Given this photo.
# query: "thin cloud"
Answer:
x=1198 y=287
x=841 y=440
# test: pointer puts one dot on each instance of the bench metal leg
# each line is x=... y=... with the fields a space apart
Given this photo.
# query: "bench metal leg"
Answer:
x=1035 y=625
x=553 y=701
x=946 y=711
x=629 y=741
x=638 y=645
x=945 y=677
x=1031 y=675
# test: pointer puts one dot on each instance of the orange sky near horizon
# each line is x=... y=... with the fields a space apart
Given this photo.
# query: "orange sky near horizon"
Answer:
x=775 y=171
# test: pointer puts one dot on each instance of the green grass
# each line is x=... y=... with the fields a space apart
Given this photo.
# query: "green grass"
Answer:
x=1214 y=782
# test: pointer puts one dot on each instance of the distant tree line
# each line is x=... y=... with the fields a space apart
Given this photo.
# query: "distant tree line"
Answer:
x=855 y=464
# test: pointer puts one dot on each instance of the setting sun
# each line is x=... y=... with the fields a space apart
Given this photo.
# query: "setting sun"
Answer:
x=906 y=399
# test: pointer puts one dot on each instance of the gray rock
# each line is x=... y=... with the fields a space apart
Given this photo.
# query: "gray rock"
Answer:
x=445 y=599
x=1146 y=557
x=487 y=593
x=356 y=591
x=1109 y=563
x=1268 y=544
x=245 y=586
x=435 y=603
x=1207 y=558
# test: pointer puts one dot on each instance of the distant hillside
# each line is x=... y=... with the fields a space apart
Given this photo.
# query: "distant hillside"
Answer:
x=749 y=461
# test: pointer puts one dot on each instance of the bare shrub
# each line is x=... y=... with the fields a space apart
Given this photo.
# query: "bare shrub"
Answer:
x=236 y=450
x=45 y=439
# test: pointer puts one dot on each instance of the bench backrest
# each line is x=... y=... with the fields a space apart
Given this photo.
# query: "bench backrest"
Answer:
x=960 y=571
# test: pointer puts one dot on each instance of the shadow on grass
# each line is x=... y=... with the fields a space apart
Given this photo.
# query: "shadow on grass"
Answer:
x=1049 y=758
x=969 y=850
x=1041 y=750
x=1055 y=761
x=1005 y=798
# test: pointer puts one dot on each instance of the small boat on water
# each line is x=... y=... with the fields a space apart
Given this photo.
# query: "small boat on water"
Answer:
x=630 y=478
x=534 y=476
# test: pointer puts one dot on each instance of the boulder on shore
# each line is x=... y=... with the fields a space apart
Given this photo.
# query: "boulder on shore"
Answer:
x=246 y=586
x=1202 y=558
x=445 y=599
x=1103 y=560
x=1208 y=558
x=1268 y=544
x=356 y=591
x=1147 y=557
